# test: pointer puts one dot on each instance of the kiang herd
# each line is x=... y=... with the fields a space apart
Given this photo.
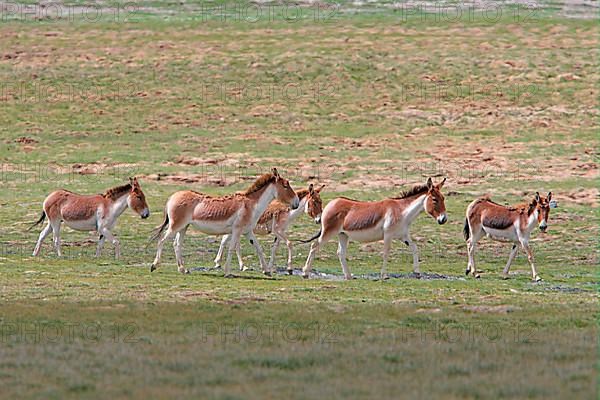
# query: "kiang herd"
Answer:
x=270 y=205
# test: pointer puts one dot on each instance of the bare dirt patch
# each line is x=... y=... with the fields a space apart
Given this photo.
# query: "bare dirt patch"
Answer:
x=499 y=309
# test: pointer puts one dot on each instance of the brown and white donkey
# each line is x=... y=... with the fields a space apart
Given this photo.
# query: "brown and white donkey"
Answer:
x=97 y=213
x=370 y=221
x=506 y=223
x=235 y=214
x=276 y=220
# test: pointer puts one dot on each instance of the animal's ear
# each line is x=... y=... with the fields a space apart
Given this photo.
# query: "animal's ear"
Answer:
x=537 y=196
x=275 y=173
x=321 y=188
x=441 y=184
x=549 y=196
x=310 y=188
x=429 y=183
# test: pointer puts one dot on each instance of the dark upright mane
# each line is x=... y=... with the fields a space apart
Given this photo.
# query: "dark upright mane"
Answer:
x=117 y=191
x=418 y=189
x=524 y=207
x=260 y=183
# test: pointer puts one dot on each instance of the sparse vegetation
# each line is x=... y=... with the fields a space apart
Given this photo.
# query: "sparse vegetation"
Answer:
x=380 y=103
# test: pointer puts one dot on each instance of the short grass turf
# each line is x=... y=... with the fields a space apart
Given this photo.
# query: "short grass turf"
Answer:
x=369 y=104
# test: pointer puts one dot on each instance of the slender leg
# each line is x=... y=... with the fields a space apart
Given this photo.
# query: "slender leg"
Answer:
x=56 y=237
x=238 y=253
x=233 y=243
x=387 y=244
x=341 y=252
x=178 y=246
x=101 y=239
x=161 y=242
x=471 y=247
x=470 y=256
x=314 y=249
x=511 y=257
x=43 y=234
x=219 y=256
x=274 y=248
x=527 y=249
x=109 y=236
x=261 y=256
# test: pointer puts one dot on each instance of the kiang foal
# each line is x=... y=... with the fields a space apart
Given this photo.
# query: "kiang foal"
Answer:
x=370 y=221
x=235 y=214
x=506 y=223
x=276 y=220
x=97 y=213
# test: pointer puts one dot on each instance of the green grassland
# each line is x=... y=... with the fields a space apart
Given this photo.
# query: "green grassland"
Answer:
x=368 y=103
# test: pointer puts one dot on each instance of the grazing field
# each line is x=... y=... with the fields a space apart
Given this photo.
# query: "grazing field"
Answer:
x=367 y=100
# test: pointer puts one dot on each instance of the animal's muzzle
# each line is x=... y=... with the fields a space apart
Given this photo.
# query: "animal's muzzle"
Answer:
x=543 y=226
x=145 y=214
x=442 y=219
x=295 y=202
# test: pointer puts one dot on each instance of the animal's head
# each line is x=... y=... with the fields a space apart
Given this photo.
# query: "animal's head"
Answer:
x=137 y=200
x=543 y=206
x=314 y=204
x=434 y=203
x=285 y=193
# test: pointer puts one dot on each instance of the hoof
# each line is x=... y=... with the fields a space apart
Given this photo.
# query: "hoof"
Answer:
x=244 y=269
x=305 y=276
x=290 y=272
x=384 y=277
x=505 y=276
x=417 y=275
x=477 y=276
x=467 y=271
x=537 y=279
x=152 y=268
x=267 y=273
x=217 y=266
x=228 y=275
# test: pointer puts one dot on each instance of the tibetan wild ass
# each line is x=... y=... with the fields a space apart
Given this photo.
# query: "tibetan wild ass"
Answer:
x=512 y=223
x=235 y=214
x=97 y=213
x=276 y=220
x=370 y=221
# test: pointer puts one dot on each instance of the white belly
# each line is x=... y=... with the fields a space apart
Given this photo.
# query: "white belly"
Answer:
x=366 y=235
x=214 y=227
x=83 y=225
x=501 y=234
